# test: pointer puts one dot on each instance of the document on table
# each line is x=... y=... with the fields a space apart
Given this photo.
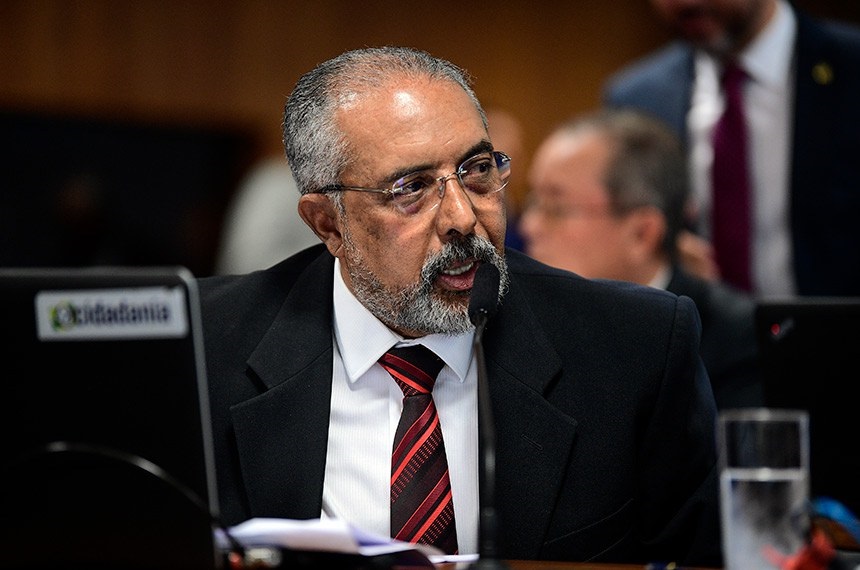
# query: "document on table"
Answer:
x=328 y=535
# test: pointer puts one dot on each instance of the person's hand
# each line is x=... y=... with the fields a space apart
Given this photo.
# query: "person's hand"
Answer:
x=697 y=256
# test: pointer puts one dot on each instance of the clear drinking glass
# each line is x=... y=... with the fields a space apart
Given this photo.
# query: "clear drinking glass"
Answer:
x=764 y=485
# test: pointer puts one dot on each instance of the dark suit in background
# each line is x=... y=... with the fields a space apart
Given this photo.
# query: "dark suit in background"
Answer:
x=728 y=345
x=594 y=461
x=825 y=171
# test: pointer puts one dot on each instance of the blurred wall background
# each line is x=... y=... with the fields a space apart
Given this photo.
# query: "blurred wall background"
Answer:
x=135 y=119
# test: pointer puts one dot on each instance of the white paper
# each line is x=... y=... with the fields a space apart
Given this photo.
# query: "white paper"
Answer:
x=323 y=535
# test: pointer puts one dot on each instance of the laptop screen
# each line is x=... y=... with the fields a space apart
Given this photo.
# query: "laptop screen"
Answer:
x=809 y=350
x=105 y=434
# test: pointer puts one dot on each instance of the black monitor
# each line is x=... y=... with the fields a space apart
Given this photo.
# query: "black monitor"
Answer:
x=105 y=445
x=809 y=349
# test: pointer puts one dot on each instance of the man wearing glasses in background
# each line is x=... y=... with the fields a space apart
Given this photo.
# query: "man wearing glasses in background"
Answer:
x=604 y=417
x=608 y=191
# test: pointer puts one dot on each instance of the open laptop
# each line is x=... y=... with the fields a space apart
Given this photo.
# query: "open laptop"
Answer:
x=810 y=359
x=105 y=445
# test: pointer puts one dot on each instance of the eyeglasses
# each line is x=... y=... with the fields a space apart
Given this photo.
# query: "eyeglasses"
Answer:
x=480 y=175
x=558 y=212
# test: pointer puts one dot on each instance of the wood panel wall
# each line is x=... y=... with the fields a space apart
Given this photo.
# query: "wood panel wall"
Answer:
x=233 y=62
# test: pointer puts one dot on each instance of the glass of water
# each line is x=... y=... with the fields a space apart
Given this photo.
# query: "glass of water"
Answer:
x=764 y=486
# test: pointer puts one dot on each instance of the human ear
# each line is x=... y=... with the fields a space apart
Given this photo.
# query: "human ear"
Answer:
x=648 y=230
x=320 y=214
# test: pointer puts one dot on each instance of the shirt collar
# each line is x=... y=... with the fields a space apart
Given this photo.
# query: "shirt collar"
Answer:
x=661 y=278
x=767 y=60
x=362 y=338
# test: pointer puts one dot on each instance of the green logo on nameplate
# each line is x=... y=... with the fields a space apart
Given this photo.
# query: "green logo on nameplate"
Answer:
x=140 y=312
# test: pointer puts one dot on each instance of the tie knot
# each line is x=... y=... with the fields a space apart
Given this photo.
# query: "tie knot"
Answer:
x=413 y=367
x=733 y=75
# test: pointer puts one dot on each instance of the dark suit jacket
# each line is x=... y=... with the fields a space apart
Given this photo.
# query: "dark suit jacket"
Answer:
x=825 y=168
x=729 y=346
x=605 y=444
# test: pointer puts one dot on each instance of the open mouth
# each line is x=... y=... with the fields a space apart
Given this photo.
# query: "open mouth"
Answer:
x=459 y=276
x=459 y=269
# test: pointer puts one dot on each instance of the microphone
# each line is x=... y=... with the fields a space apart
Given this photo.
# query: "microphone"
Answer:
x=483 y=303
x=484 y=300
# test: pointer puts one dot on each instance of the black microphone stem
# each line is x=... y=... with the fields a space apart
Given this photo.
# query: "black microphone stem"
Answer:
x=488 y=555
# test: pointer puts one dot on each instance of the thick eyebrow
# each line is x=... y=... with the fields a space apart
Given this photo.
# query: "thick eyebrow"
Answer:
x=478 y=148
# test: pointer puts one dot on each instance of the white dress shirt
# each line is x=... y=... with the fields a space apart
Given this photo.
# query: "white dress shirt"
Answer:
x=365 y=409
x=661 y=278
x=769 y=106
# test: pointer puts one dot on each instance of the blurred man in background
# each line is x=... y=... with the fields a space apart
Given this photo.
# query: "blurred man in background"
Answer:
x=795 y=84
x=608 y=192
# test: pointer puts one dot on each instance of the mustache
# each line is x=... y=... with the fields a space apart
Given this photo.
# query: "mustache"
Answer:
x=470 y=247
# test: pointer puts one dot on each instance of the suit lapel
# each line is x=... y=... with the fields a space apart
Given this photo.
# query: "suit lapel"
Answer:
x=817 y=116
x=290 y=420
x=533 y=439
x=815 y=111
x=676 y=93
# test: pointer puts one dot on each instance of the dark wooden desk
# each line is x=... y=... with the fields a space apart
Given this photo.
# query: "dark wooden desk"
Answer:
x=550 y=565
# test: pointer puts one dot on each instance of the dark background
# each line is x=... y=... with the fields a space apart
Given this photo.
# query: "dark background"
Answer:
x=125 y=126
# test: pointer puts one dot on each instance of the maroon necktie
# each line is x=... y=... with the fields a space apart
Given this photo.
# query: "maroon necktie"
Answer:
x=730 y=222
x=422 y=508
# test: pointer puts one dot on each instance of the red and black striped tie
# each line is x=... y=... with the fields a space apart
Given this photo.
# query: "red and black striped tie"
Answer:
x=422 y=508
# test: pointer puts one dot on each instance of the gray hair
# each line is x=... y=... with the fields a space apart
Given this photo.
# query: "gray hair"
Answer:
x=316 y=149
x=648 y=166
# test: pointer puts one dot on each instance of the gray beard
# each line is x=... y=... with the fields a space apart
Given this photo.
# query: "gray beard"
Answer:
x=417 y=308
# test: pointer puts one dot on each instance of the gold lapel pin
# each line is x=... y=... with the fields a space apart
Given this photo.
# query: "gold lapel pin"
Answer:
x=822 y=73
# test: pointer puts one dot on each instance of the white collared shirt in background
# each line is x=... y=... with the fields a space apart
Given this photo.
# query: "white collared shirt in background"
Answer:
x=769 y=104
